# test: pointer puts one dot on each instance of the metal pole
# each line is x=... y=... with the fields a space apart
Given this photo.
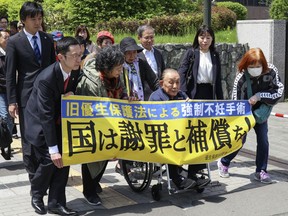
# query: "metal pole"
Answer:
x=207 y=12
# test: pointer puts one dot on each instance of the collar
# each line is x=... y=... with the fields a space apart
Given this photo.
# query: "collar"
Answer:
x=29 y=36
x=65 y=74
x=127 y=65
x=145 y=50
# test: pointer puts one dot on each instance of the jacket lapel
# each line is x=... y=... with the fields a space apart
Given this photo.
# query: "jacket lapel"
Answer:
x=59 y=77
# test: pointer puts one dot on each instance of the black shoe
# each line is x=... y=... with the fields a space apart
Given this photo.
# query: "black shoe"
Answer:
x=38 y=205
x=93 y=200
x=6 y=154
x=98 y=188
x=185 y=183
x=202 y=182
x=61 y=210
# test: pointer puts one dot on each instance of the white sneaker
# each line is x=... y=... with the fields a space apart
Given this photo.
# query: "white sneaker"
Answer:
x=222 y=170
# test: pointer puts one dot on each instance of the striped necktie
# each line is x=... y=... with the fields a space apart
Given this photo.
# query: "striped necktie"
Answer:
x=36 y=49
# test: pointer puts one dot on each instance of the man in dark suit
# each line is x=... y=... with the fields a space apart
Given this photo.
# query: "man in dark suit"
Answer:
x=153 y=56
x=22 y=67
x=42 y=115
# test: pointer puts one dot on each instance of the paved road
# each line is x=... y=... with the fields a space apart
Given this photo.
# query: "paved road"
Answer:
x=237 y=195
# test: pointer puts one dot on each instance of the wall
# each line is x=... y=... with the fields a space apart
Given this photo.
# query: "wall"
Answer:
x=257 y=12
x=229 y=55
x=271 y=36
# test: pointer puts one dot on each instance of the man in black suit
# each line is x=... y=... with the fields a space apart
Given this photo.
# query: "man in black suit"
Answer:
x=153 y=56
x=42 y=115
x=22 y=67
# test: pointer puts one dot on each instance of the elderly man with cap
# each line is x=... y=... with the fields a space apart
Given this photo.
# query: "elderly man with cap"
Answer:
x=139 y=78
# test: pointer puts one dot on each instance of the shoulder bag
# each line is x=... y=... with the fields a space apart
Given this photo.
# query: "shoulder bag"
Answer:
x=262 y=113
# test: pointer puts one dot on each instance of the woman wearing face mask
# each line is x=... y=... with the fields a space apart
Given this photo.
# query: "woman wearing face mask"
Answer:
x=266 y=88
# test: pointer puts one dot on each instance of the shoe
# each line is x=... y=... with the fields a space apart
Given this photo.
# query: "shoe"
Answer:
x=118 y=169
x=263 y=177
x=38 y=205
x=93 y=200
x=202 y=182
x=222 y=170
x=98 y=188
x=61 y=210
x=6 y=154
x=185 y=183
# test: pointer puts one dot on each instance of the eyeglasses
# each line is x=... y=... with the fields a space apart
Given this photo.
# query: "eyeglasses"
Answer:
x=74 y=56
x=3 y=22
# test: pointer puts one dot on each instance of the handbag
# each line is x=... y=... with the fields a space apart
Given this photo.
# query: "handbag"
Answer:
x=5 y=135
x=262 y=113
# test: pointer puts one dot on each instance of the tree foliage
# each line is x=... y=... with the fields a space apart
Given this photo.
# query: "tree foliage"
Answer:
x=65 y=15
x=57 y=14
x=92 y=11
x=279 y=9
x=237 y=8
x=11 y=8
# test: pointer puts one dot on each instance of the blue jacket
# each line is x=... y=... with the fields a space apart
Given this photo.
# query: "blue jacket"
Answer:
x=161 y=95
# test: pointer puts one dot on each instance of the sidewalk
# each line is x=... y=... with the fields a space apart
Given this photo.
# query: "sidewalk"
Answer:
x=233 y=196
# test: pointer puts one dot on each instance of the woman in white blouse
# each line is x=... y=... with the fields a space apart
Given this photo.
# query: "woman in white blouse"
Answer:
x=203 y=63
x=200 y=74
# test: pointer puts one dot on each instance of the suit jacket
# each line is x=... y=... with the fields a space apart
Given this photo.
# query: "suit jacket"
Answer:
x=159 y=60
x=44 y=106
x=20 y=59
x=216 y=70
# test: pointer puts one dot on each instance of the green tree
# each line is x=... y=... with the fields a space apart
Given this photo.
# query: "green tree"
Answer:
x=14 y=8
x=90 y=12
x=279 y=9
x=57 y=15
x=3 y=8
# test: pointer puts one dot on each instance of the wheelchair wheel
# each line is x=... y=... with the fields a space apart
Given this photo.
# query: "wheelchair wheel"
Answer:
x=155 y=191
x=138 y=175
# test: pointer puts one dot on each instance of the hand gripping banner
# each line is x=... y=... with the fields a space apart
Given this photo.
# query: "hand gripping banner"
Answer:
x=173 y=132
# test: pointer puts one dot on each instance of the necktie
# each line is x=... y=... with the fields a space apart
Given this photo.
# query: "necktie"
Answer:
x=36 y=49
x=66 y=84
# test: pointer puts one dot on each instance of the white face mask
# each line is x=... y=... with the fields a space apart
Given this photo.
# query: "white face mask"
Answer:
x=254 y=72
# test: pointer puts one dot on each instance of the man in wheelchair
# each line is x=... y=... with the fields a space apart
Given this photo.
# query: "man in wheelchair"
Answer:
x=170 y=90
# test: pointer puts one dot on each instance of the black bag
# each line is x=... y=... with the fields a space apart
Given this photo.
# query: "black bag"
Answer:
x=5 y=135
x=189 y=73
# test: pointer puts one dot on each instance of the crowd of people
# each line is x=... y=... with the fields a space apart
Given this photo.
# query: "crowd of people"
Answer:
x=36 y=68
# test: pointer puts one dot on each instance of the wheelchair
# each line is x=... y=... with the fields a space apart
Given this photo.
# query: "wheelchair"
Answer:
x=139 y=175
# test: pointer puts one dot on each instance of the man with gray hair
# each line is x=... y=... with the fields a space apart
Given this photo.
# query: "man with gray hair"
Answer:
x=153 y=56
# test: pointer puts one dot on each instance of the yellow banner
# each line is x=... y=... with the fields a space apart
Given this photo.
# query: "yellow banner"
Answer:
x=173 y=132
